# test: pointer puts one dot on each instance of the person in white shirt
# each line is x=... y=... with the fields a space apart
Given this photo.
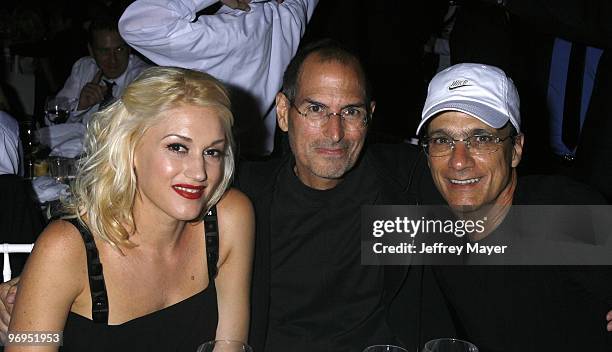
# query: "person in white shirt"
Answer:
x=246 y=44
x=11 y=152
x=10 y=145
x=98 y=79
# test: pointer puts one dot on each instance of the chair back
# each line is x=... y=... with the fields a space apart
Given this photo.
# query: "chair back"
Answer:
x=7 y=248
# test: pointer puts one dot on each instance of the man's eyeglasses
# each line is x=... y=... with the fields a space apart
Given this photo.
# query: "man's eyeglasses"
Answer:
x=477 y=144
x=354 y=118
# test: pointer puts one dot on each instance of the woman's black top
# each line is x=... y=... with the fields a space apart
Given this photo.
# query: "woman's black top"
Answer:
x=180 y=327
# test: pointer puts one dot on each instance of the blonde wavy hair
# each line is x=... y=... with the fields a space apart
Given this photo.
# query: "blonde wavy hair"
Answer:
x=106 y=184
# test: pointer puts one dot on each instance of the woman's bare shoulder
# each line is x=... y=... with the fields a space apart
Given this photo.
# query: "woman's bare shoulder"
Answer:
x=236 y=216
x=63 y=234
x=235 y=204
x=59 y=244
x=54 y=276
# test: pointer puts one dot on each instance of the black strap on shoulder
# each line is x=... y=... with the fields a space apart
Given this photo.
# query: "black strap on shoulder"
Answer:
x=97 y=286
x=212 y=242
x=99 y=298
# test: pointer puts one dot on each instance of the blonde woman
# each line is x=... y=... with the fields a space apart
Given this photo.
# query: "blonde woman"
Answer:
x=140 y=266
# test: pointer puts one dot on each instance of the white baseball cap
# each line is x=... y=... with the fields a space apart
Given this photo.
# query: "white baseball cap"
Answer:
x=481 y=91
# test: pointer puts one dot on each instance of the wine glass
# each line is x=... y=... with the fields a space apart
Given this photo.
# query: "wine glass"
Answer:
x=62 y=169
x=449 y=345
x=28 y=143
x=384 y=348
x=57 y=109
x=224 y=346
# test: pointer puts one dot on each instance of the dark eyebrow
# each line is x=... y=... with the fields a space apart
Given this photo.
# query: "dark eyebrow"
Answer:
x=439 y=130
x=314 y=102
x=476 y=131
x=361 y=105
x=480 y=131
x=353 y=105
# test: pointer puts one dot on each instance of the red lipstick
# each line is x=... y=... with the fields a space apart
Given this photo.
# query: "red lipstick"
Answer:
x=189 y=191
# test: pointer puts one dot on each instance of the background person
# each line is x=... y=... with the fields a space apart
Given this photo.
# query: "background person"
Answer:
x=11 y=152
x=97 y=80
x=20 y=216
x=248 y=50
x=157 y=160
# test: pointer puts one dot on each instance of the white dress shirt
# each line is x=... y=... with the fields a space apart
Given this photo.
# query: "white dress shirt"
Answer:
x=10 y=146
x=83 y=71
x=248 y=51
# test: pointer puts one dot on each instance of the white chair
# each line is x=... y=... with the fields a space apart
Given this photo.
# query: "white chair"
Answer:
x=7 y=248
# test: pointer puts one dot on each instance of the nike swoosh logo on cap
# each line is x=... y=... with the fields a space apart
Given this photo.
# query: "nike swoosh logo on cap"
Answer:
x=459 y=83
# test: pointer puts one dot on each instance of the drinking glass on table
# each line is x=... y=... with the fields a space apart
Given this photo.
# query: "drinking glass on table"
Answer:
x=384 y=348
x=57 y=109
x=62 y=169
x=224 y=346
x=26 y=134
x=449 y=345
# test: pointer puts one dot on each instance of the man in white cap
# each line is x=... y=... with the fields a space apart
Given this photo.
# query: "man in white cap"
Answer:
x=472 y=122
x=471 y=133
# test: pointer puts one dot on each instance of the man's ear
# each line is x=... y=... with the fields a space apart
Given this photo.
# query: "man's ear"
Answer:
x=372 y=108
x=517 y=149
x=282 y=111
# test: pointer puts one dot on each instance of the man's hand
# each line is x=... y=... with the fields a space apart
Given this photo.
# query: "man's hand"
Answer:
x=609 y=319
x=92 y=93
x=8 y=291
